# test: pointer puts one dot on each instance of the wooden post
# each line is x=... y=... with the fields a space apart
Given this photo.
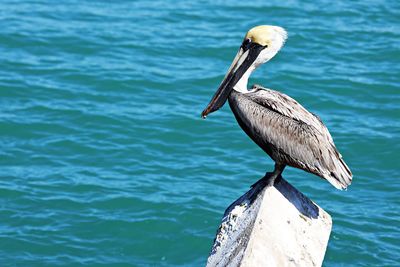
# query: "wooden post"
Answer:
x=271 y=226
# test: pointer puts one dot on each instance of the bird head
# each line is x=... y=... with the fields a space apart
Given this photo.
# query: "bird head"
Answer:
x=260 y=44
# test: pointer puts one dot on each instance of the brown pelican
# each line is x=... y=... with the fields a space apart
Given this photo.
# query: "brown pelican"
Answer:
x=282 y=127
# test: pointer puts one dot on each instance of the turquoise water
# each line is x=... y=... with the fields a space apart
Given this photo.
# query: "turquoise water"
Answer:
x=104 y=158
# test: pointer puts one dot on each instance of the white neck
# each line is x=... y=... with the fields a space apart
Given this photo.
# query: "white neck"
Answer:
x=241 y=85
x=265 y=55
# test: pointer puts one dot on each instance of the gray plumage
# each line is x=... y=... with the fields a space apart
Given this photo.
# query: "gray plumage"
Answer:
x=289 y=133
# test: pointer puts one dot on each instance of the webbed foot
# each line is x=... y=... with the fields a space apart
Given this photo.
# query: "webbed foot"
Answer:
x=265 y=181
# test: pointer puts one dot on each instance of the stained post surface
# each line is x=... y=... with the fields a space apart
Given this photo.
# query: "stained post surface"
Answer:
x=272 y=226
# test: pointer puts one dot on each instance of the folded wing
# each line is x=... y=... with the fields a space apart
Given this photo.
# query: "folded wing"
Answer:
x=290 y=134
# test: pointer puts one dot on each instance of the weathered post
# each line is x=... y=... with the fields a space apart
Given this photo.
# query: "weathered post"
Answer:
x=271 y=226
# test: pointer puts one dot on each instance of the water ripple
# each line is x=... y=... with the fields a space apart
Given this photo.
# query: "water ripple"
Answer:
x=105 y=159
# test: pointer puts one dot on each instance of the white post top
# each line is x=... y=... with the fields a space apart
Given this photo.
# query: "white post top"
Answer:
x=272 y=226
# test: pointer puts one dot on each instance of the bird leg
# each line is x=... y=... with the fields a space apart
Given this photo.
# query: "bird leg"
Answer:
x=271 y=178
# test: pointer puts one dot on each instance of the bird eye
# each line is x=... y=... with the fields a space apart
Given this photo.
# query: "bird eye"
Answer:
x=246 y=44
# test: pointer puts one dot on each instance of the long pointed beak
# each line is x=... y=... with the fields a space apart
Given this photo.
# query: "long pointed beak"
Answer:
x=242 y=62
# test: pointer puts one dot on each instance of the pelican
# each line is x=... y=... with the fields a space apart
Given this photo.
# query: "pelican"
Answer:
x=284 y=129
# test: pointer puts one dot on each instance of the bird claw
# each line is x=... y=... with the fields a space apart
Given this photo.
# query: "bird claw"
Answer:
x=267 y=181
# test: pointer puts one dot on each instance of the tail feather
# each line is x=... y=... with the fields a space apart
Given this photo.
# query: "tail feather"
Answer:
x=341 y=176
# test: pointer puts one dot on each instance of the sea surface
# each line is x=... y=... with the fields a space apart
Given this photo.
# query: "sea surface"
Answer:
x=104 y=158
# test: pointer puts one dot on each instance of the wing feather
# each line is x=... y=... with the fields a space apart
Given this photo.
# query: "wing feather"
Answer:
x=290 y=134
x=289 y=107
